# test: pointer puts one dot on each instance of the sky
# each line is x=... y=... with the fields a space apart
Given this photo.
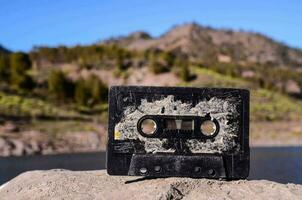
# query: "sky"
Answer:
x=28 y=23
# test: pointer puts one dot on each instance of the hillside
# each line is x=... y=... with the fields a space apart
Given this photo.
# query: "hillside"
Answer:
x=208 y=44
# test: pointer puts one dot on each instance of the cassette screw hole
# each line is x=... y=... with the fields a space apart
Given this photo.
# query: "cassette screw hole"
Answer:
x=148 y=126
x=143 y=170
x=157 y=169
x=197 y=169
x=208 y=127
x=211 y=172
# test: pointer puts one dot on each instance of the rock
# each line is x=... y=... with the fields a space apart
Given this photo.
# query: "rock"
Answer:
x=18 y=147
x=10 y=127
x=4 y=148
x=32 y=147
x=139 y=35
x=63 y=184
x=248 y=74
x=224 y=58
x=47 y=149
x=292 y=87
x=80 y=142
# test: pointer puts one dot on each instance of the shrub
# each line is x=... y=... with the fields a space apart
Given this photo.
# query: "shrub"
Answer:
x=59 y=87
x=81 y=93
x=90 y=92
x=155 y=66
x=4 y=68
x=184 y=72
x=168 y=58
x=20 y=64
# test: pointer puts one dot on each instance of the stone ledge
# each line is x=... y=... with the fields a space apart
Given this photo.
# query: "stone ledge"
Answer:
x=64 y=184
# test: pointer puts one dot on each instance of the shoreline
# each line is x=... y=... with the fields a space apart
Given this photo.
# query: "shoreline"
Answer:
x=255 y=145
x=18 y=141
x=275 y=144
x=261 y=157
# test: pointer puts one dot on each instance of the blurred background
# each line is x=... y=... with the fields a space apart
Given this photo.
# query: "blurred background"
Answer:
x=58 y=58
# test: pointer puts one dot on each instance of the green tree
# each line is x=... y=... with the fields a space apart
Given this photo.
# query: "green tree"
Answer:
x=90 y=92
x=155 y=66
x=168 y=58
x=20 y=64
x=4 y=68
x=120 y=60
x=59 y=87
x=184 y=72
x=99 y=90
x=81 y=93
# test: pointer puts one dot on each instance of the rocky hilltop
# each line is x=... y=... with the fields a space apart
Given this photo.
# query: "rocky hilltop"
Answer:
x=208 y=44
x=61 y=184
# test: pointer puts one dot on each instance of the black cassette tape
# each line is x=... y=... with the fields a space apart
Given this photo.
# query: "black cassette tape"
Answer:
x=175 y=131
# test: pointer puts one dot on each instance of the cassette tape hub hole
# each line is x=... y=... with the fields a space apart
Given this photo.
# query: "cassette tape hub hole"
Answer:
x=148 y=126
x=143 y=170
x=157 y=168
x=211 y=172
x=208 y=128
x=197 y=169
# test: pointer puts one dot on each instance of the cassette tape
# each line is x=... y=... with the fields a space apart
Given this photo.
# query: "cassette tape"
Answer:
x=177 y=131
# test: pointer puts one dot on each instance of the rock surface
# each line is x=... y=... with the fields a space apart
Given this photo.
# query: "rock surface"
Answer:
x=37 y=143
x=63 y=184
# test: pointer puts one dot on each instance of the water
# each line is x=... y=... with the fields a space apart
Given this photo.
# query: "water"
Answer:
x=280 y=164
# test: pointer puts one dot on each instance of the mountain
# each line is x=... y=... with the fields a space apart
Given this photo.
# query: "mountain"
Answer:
x=3 y=50
x=205 y=43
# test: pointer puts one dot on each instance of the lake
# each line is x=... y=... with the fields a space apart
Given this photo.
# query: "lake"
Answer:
x=280 y=164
